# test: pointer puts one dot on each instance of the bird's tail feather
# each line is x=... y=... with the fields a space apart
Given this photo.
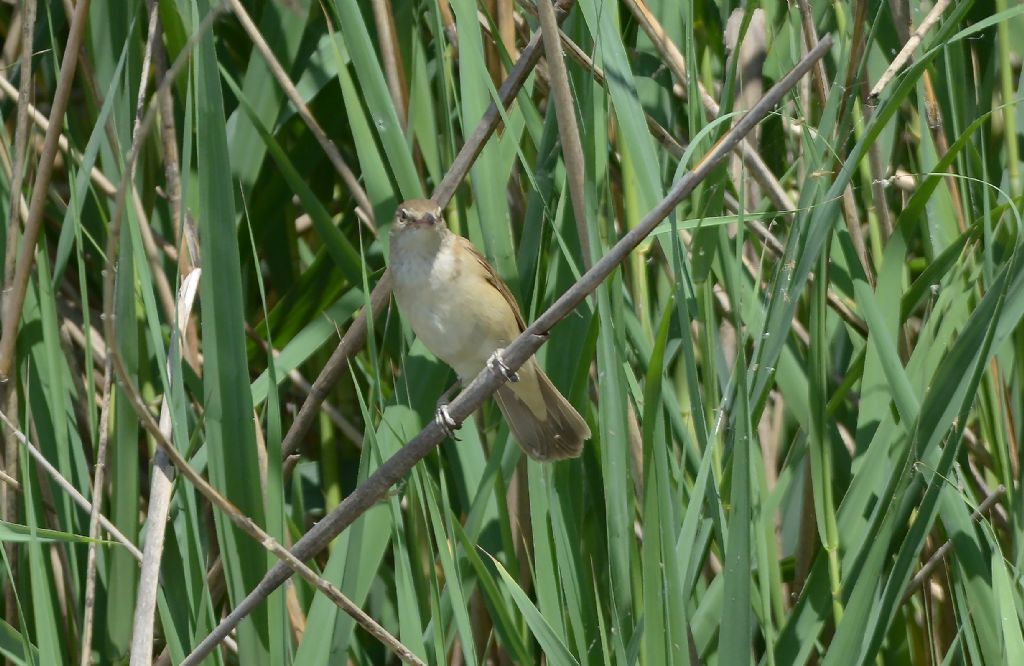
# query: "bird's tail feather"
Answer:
x=556 y=434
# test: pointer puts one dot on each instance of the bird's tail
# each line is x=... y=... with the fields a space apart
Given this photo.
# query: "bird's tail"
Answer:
x=542 y=420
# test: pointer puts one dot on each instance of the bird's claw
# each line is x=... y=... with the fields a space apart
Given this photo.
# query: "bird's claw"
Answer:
x=496 y=364
x=444 y=419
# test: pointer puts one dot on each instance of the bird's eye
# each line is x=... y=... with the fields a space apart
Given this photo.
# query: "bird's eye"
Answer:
x=403 y=214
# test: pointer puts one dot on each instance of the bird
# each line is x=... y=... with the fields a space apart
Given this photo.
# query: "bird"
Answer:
x=464 y=313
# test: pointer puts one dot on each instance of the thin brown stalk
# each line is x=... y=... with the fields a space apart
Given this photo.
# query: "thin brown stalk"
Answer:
x=999 y=514
x=568 y=131
x=9 y=395
x=378 y=484
x=878 y=175
x=346 y=427
x=936 y=126
x=101 y=182
x=8 y=170
x=875 y=162
x=903 y=57
x=329 y=148
x=47 y=505
x=857 y=46
x=182 y=226
x=8 y=390
x=66 y=486
x=507 y=29
x=391 y=58
x=856 y=229
x=818 y=77
x=296 y=616
x=448 y=21
x=940 y=553
x=169 y=139
x=492 y=60
x=15 y=299
x=849 y=206
x=21 y=133
x=94 y=521
x=12 y=45
x=60 y=567
x=9 y=480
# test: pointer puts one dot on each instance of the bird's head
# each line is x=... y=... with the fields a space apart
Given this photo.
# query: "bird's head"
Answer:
x=418 y=226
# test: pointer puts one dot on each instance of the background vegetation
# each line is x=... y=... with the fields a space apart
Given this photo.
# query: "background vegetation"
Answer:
x=806 y=388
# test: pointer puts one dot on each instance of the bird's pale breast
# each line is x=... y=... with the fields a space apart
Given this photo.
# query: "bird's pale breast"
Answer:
x=452 y=308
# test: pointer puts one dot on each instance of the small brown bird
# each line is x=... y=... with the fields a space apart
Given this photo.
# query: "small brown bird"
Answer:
x=465 y=315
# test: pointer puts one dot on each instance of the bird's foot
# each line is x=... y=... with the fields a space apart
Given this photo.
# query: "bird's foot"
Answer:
x=444 y=419
x=496 y=364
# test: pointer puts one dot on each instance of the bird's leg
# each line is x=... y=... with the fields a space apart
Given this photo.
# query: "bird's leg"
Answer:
x=442 y=416
x=444 y=419
x=496 y=364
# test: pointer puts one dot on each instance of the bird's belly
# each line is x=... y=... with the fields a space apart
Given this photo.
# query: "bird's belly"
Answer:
x=449 y=327
x=439 y=324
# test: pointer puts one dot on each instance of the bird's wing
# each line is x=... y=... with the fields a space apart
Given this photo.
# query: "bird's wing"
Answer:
x=494 y=280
